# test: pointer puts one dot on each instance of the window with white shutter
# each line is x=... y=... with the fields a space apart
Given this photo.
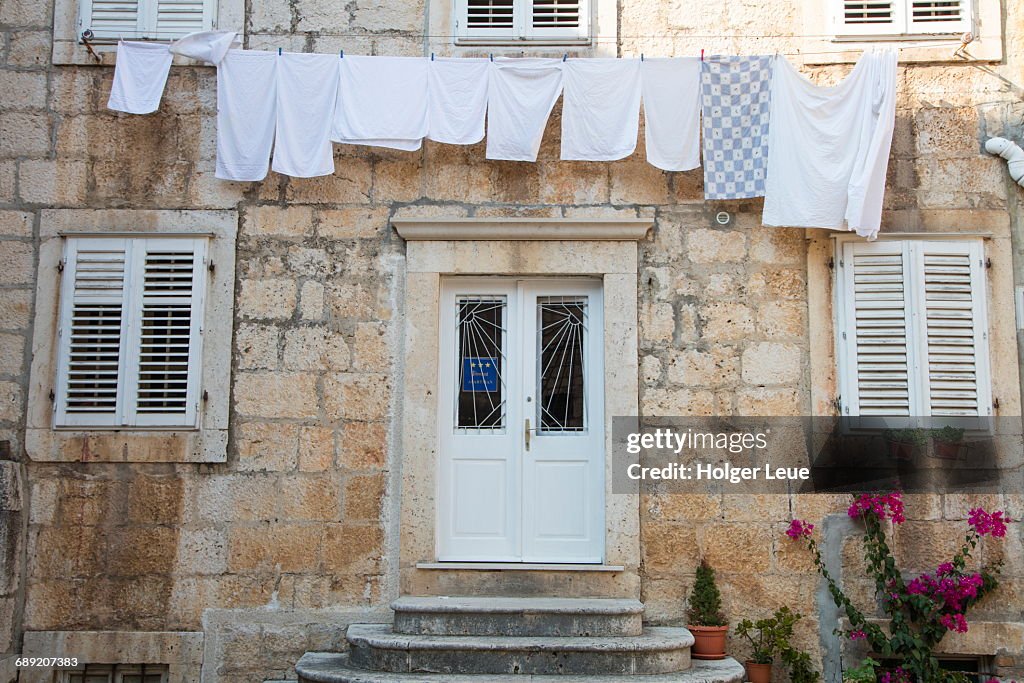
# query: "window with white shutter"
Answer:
x=145 y=19
x=912 y=331
x=129 y=337
x=895 y=18
x=498 y=21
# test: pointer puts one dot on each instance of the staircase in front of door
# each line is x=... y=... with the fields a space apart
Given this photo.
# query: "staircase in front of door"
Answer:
x=511 y=640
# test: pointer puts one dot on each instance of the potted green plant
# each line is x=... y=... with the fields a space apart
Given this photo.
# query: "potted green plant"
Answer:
x=768 y=638
x=947 y=441
x=904 y=442
x=865 y=673
x=705 y=619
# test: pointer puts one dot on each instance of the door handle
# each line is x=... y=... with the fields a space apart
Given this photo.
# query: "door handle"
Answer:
x=526 y=433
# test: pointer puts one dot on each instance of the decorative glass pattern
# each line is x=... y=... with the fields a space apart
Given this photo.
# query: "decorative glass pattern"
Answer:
x=481 y=365
x=562 y=330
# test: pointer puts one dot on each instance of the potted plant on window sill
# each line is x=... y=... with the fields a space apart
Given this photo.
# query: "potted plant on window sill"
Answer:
x=903 y=443
x=767 y=638
x=705 y=619
x=947 y=442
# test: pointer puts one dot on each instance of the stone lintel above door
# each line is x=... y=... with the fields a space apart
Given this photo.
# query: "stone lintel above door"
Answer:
x=438 y=248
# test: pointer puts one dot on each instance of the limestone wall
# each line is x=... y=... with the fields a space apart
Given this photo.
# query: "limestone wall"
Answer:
x=274 y=551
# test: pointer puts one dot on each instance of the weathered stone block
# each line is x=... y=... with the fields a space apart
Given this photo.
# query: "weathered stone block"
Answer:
x=349 y=184
x=290 y=221
x=350 y=548
x=25 y=13
x=267 y=447
x=256 y=346
x=29 y=48
x=777 y=402
x=357 y=397
x=276 y=394
x=16 y=223
x=12 y=353
x=10 y=401
x=782 y=319
x=315 y=348
x=23 y=90
x=363 y=445
x=364 y=496
x=284 y=547
x=311 y=300
x=316 y=449
x=669 y=402
x=354 y=222
x=716 y=246
x=372 y=349
x=669 y=548
x=155 y=500
x=311 y=498
x=269 y=299
x=657 y=322
x=724 y=321
x=694 y=368
x=781 y=283
x=737 y=547
x=53 y=182
x=772 y=363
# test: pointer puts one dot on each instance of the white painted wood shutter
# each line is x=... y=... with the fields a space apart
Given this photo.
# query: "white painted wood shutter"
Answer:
x=510 y=20
x=145 y=19
x=901 y=17
x=912 y=331
x=130 y=333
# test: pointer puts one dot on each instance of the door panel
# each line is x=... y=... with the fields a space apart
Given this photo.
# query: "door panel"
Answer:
x=521 y=419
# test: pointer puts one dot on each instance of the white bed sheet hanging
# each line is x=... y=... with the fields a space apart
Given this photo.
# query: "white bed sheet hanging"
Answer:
x=520 y=96
x=382 y=101
x=828 y=148
x=457 y=100
x=246 y=114
x=140 y=75
x=600 y=108
x=671 y=96
x=307 y=89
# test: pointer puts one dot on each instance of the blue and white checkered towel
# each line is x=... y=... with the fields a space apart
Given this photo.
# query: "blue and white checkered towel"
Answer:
x=735 y=102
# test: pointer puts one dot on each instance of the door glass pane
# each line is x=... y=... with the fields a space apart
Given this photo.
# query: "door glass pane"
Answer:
x=481 y=362
x=562 y=326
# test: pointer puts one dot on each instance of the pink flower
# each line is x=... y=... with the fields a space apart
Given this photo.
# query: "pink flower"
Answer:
x=944 y=569
x=798 y=528
x=858 y=635
x=985 y=523
x=954 y=622
x=898 y=675
x=887 y=506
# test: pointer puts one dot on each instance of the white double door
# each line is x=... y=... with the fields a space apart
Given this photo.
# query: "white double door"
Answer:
x=521 y=404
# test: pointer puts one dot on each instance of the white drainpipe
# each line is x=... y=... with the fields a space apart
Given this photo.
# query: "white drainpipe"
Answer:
x=1013 y=154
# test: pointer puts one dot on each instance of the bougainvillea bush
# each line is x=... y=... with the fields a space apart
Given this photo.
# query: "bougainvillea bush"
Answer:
x=922 y=610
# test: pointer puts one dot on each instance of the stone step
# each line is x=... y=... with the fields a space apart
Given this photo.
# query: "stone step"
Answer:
x=377 y=647
x=472 y=616
x=329 y=667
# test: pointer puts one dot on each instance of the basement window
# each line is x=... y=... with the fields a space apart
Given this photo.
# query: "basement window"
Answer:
x=115 y=673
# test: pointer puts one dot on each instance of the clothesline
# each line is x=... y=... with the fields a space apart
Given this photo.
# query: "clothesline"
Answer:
x=817 y=155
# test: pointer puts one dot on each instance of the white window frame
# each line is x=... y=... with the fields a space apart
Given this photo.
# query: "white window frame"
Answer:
x=522 y=30
x=206 y=442
x=903 y=26
x=126 y=414
x=916 y=326
x=146 y=22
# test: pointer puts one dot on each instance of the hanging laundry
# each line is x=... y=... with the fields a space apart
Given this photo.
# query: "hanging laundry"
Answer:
x=140 y=75
x=246 y=114
x=382 y=101
x=600 y=108
x=307 y=90
x=829 y=147
x=457 y=100
x=206 y=46
x=671 y=93
x=520 y=96
x=735 y=102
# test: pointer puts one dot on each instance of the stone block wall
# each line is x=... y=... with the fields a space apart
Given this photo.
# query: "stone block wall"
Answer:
x=274 y=551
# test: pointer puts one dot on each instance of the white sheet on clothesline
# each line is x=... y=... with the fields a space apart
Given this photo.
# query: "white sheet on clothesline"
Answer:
x=520 y=96
x=140 y=75
x=457 y=100
x=246 y=114
x=600 y=108
x=206 y=46
x=382 y=101
x=828 y=147
x=307 y=88
x=671 y=95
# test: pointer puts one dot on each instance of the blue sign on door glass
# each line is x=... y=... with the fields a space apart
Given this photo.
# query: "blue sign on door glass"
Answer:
x=479 y=374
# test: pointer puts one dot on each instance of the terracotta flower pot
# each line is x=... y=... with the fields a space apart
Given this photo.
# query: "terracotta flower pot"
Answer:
x=947 y=450
x=709 y=641
x=759 y=673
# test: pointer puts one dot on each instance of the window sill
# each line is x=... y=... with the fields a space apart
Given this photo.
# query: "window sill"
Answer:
x=520 y=566
x=134 y=445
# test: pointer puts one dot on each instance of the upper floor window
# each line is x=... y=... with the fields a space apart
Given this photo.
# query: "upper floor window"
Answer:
x=131 y=312
x=145 y=19
x=512 y=21
x=898 y=18
x=912 y=330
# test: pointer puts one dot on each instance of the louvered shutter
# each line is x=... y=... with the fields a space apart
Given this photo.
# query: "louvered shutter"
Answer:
x=510 y=20
x=953 y=329
x=913 y=329
x=145 y=19
x=938 y=16
x=876 y=332
x=565 y=19
x=130 y=348
x=91 y=344
x=168 y=302
x=869 y=17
